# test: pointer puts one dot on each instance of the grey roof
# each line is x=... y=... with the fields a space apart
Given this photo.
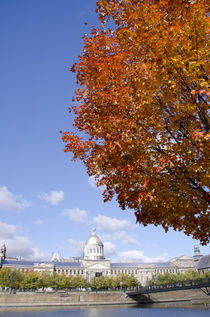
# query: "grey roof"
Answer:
x=163 y=264
x=67 y=264
x=204 y=262
x=32 y=263
x=18 y=263
x=120 y=265
x=135 y=265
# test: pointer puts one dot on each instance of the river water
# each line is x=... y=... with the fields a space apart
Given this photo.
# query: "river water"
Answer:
x=107 y=311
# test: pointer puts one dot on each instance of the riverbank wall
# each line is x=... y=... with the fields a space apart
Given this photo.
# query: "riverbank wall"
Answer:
x=32 y=299
x=191 y=296
x=29 y=299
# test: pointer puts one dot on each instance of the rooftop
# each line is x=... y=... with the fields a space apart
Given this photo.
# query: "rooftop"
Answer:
x=204 y=262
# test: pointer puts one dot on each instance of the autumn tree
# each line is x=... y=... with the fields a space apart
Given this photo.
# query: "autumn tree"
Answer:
x=141 y=110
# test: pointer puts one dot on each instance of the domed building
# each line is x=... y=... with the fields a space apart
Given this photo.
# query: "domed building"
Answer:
x=94 y=264
x=94 y=248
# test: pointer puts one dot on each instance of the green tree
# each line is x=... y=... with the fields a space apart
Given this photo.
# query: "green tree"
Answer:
x=5 y=277
x=129 y=281
x=30 y=280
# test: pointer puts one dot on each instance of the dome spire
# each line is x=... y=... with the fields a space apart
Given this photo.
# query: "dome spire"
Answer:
x=94 y=231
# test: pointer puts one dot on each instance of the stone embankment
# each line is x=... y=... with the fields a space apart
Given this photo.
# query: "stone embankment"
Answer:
x=192 y=296
x=33 y=299
x=20 y=299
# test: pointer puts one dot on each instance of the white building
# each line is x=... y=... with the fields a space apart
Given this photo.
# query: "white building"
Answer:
x=94 y=264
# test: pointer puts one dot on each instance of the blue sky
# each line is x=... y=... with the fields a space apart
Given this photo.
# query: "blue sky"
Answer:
x=48 y=203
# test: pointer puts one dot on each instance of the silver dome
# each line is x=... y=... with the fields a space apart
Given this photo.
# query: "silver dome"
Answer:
x=94 y=239
x=94 y=248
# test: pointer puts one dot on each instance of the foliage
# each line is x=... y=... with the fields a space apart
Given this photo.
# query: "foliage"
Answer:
x=35 y=280
x=187 y=277
x=30 y=280
x=141 y=121
x=101 y=282
x=5 y=277
x=9 y=278
x=121 y=280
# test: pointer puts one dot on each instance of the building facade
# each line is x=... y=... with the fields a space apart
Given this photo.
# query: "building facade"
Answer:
x=93 y=264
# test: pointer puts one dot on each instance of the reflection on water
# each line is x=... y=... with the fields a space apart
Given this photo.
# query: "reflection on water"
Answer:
x=108 y=311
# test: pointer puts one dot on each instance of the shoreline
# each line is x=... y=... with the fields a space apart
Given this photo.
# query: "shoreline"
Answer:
x=101 y=298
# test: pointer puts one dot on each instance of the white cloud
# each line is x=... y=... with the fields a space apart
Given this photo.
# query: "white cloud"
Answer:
x=38 y=222
x=7 y=231
x=54 y=197
x=9 y=201
x=39 y=255
x=77 y=246
x=109 y=249
x=108 y=224
x=122 y=236
x=77 y=215
x=93 y=183
x=138 y=256
x=19 y=246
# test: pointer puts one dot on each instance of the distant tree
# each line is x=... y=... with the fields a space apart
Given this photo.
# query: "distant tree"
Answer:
x=187 y=277
x=141 y=113
x=62 y=281
x=100 y=282
x=129 y=281
x=77 y=282
x=105 y=282
x=5 y=277
x=47 y=280
x=30 y=280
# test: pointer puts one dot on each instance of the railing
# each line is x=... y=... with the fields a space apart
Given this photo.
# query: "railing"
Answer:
x=201 y=283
